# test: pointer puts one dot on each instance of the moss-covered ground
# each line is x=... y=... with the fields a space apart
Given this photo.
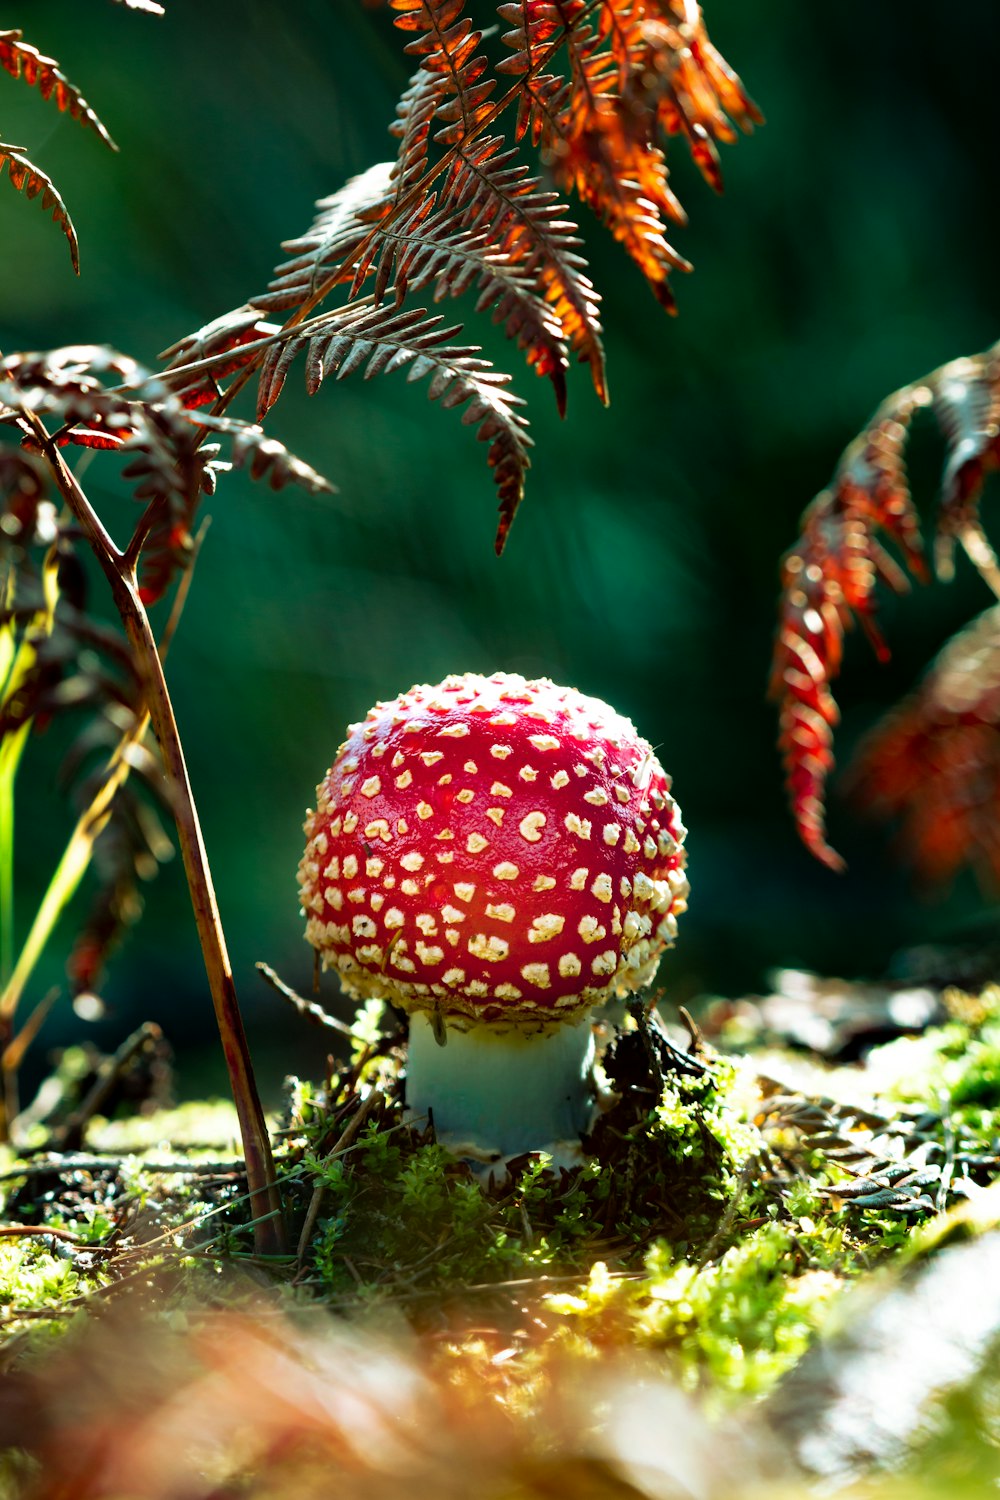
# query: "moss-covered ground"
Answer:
x=728 y=1203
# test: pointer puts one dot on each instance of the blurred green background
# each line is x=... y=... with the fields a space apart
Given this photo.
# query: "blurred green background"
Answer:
x=849 y=255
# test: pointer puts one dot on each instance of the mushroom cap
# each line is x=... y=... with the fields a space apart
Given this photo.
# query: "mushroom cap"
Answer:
x=493 y=848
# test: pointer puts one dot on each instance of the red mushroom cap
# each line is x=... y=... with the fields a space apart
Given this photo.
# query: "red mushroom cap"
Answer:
x=493 y=848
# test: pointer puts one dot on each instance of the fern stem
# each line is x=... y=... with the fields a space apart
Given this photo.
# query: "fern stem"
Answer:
x=269 y=1234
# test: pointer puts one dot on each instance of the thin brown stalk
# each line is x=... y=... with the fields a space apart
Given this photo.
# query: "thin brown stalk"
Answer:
x=265 y=1201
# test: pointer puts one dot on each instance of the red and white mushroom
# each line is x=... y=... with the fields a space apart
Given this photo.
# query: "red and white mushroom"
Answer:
x=496 y=856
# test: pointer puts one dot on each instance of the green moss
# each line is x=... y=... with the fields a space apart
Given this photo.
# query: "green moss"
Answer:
x=401 y=1219
x=404 y=1218
x=41 y=1287
x=732 y=1326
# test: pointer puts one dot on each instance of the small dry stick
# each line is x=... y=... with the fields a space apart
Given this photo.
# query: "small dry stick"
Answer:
x=19 y=1231
x=309 y=1010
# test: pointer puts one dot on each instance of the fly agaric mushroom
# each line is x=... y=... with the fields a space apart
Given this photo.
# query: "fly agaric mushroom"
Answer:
x=497 y=857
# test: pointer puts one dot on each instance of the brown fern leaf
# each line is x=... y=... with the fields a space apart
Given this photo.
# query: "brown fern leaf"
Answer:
x=172 y=469
x=967 y=406
x=69 y=384
x=432 y=249
x=446 y=41
x=160 y=436
x=534 y=279
x=229 y=333
x=382 y=339
x=543 y=96
x=265 y=457
x=165 y=470
x=415 y=112
x=828 y=578
x=604 y=151
x=343 y=223
x=458 y=248
x=491 y=190
x=24 y=174
x=933 y=763
x=24 y=61
x=697 y=93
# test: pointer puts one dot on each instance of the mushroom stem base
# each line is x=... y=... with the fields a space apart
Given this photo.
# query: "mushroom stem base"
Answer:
x=498 y=1089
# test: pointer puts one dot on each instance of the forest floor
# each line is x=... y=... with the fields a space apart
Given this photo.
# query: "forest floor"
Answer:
x=779 y=1267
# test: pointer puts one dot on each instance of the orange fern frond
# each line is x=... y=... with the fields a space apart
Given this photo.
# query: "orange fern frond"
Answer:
x=596 y=84
x=491 y=189
x=622 y=23
x=831 y=574
x=543 y=95
x=24 y=174
x=640 y=68
x=934 y=761
x=697 y=93
x=828 y=578
x=24 y=61
x=603 y=150
x=382 y=339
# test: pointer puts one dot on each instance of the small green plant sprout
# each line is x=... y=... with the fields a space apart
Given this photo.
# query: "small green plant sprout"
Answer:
x=498 y=857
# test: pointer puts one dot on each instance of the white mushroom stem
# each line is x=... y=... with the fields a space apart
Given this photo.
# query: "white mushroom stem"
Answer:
x=501 y=1089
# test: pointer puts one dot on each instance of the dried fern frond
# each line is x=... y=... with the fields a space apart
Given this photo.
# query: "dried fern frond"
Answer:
x=66 y=662
x=934 y=762
x=412 y=127
x=641 y=66
x=603 y=149
x=130 y=848
x=446 y=41
x=831 y=574
x=252 y=448
x=967 y=406
x=382 y=339
x=158 y=432
x=99 y=398
x=25 y=175
x=21 y=60
x=226 y=335
x=597 y=89
x=341 y=226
